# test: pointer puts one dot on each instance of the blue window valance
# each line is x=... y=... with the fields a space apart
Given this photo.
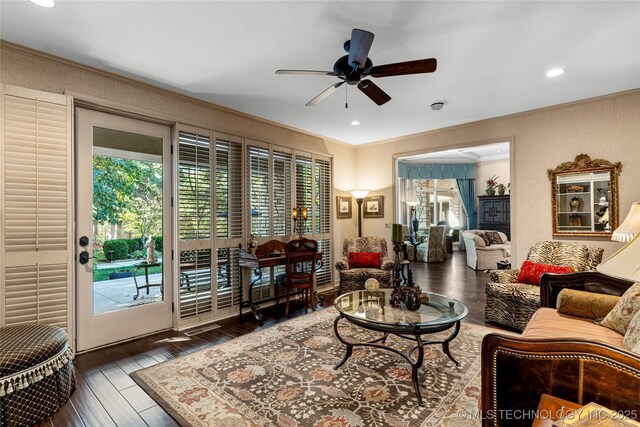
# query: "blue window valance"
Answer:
x=437 y=170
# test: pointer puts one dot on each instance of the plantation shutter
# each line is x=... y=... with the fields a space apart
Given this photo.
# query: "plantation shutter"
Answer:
x=304 y=182
x=194 y=224
x=322 y=215
x=36 y=252
x=282 y=192
x=258 y=190
x=228 y=219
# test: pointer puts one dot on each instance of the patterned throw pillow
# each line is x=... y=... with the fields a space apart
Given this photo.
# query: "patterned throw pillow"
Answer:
x=530 y=272
x=620 y=317
x=588 y=305
x=491 y=238
x=365 y=259
x=631 y=339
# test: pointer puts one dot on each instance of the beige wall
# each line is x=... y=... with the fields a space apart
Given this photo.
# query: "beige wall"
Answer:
x=606 y=127
x=487 y=169
x=24 y=67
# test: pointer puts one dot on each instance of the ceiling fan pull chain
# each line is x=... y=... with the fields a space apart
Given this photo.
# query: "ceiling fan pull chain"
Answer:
x=346 y=103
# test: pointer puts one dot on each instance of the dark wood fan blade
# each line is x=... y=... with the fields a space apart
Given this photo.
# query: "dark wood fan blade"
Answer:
x=401 y=68
x=360 y=44
x=325 y=93
x=376 y=94
x=307 y=72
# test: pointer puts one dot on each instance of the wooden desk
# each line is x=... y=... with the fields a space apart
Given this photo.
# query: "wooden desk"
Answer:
x=269 y=255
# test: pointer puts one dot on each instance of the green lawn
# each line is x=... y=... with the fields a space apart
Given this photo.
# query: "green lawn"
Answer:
x=103 y=273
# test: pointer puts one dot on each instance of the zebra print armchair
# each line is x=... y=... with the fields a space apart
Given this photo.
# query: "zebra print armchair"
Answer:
x=512 y=304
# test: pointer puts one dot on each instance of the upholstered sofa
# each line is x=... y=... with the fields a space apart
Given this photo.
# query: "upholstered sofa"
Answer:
x=481 y=256
x=562 y=355
x=352 y=279
x=511 y=303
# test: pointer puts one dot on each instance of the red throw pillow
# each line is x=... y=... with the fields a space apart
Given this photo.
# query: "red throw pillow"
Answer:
x=530 y=272
x=365 y=259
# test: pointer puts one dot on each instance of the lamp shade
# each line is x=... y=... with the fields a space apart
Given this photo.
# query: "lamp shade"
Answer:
x=624 y=264
x=359 y=194
x=630 y=227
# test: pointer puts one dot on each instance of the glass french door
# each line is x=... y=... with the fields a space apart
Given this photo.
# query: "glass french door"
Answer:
x=123 y=228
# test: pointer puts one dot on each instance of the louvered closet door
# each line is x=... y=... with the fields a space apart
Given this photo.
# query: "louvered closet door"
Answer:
x=35 y=213
x=194 y=226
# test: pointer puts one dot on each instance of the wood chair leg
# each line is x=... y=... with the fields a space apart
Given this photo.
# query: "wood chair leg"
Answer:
x=311 y=296
x=286 y=309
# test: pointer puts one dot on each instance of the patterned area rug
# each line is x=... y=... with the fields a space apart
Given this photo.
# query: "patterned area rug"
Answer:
x=284 y=376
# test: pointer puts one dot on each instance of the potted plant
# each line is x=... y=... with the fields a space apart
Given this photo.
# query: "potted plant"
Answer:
x=502 y=189
x=492 y=183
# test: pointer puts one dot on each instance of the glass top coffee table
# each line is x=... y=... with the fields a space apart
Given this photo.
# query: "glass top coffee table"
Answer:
x=372 y=311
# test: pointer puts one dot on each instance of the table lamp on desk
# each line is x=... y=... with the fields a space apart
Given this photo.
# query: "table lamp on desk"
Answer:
x=625 y=263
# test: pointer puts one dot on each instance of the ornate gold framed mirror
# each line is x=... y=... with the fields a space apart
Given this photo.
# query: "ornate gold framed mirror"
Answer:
x=584 y=195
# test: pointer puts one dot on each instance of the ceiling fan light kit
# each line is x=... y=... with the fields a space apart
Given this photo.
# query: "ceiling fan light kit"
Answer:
x=354 y=67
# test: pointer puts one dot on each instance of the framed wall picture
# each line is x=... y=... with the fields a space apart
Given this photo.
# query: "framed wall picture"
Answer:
x=343 y=206
x=373 y=207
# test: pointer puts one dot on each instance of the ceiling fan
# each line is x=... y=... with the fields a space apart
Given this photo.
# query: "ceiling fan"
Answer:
x=356 y=66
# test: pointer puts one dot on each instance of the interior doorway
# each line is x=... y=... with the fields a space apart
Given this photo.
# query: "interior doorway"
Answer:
x=443 y=187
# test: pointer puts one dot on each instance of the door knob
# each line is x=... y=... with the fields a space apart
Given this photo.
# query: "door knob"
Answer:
x=84 y=257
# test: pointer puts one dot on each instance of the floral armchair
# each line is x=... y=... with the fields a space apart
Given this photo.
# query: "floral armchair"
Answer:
x=512 y=304
x=352 y=279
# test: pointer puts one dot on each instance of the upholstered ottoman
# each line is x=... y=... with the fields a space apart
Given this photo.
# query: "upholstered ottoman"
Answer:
x=36 y=373
x=511 y=304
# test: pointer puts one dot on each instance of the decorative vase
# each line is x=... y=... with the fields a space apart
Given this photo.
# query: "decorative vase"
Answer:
x=575 y=204
x=490 y=191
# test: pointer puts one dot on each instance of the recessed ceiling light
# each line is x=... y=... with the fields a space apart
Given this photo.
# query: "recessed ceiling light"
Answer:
x=44 y=3
x=355 y=123
x=555 y=72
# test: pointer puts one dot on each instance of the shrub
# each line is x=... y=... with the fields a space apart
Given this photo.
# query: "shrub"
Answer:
x=115 y=249
x=134 y=245
x=159 y=243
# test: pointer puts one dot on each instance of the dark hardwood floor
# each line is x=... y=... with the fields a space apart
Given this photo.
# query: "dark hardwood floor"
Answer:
x=107 y=396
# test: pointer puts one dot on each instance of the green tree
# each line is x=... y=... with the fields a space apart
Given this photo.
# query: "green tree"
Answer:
x=128 y=191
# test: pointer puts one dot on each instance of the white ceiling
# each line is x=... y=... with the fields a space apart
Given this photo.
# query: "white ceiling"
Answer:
x=492 y=56
x=476 y=154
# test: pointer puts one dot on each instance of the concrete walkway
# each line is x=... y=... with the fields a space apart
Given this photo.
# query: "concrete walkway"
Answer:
x=121 y=263
x=117 y=294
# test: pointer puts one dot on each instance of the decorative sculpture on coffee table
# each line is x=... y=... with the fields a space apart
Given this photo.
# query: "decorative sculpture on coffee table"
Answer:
x=396 y=238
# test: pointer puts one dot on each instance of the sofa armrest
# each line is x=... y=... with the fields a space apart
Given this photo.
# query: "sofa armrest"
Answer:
x=342 y=264
x=503 y=276
x=517 y=371
x=386 y=264
x=590 y=281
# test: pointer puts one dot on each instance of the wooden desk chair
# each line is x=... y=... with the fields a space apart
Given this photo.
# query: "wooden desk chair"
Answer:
x=300 y=270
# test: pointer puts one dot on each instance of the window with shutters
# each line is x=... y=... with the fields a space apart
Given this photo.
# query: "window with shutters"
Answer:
x=258 y=186
x=281 y=167
x=194 y=223
x=322 y=216
x=35 y=189
x=229 y=219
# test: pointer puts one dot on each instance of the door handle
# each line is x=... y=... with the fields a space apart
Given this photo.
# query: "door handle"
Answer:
x=84 y=257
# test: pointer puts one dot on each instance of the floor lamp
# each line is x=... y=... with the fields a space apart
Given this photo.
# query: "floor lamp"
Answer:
x=625 y=264
x=359 y=196
x=414 y=219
